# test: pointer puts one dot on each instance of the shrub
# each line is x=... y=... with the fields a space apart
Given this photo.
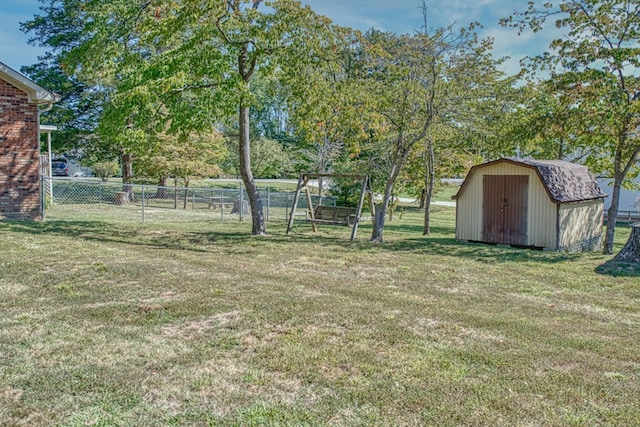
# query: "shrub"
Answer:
x=105 y=169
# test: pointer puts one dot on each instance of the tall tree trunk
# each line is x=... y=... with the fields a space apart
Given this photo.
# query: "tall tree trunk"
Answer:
x=619 y=173
x=381 y=211
x=612 y=216
x=430 y=178
x=246 y=67
x=127 y=175
x=257 y=213
x=401 y=153
x=161 y=192
x=175 y=192
x=186 y=194
x=423 y=196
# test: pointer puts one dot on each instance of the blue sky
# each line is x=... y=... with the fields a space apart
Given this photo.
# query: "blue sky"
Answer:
x=401 y=16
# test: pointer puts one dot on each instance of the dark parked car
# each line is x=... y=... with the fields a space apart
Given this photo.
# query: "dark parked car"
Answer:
x=59 y=168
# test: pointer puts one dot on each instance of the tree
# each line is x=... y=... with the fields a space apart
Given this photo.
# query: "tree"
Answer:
x=418 y=81
x=184 y=157
x=188 y=64
x=231 y=42
x=95 y=49
x=104 y=170
x=224 y=45
x=440 y=155
x=545 y=121
x=269 y=159
x=597 y=60
x=331 y=108
x=79 y=110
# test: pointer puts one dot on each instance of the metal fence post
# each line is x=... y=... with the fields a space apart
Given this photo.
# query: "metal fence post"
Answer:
x=241 y=198
x=286 y=207
x=143 y=218
x=268 y=201
x=222 y=204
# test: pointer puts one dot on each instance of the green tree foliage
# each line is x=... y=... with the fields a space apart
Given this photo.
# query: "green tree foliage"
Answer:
x=440 y=155
x=174 y=67
x=331 y=109
x=545 y=121
x=596 y=63
x=184 y=157
x=76 y=115
x=269 y=158
x=230 y=42
x=105 y=170
x=419 y=82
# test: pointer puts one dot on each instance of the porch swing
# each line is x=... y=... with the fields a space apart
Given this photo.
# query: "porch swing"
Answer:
x=331 y=215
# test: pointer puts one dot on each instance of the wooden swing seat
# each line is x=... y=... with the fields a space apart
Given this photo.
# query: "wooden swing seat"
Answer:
x=336 y=215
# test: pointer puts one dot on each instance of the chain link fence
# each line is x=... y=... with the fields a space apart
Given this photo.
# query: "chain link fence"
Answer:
x=75 y=198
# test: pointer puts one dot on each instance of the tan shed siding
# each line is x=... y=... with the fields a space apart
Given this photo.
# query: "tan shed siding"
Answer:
x=580 y=222
x=543 y=216
x=541 y=221
x=469 y=209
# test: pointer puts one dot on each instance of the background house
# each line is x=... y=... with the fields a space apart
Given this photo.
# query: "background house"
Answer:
x=546 y=204
x=20 y=101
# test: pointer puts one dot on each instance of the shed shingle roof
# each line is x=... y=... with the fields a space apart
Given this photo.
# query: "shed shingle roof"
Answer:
x=565 y=181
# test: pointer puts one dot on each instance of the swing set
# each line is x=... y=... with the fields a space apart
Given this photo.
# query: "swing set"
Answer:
x=332 y=215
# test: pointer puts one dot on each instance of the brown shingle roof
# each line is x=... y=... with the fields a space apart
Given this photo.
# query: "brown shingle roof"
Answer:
x=565 y=181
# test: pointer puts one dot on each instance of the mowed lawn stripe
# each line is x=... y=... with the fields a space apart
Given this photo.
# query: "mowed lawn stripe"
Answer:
x=110 y=323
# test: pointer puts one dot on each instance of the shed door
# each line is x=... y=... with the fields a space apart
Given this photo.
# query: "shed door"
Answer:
x=504 y=210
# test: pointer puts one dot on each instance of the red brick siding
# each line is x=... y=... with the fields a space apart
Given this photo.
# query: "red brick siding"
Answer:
x=19 y=180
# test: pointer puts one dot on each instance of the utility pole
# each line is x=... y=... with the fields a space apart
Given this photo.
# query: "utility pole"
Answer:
x=424 y=15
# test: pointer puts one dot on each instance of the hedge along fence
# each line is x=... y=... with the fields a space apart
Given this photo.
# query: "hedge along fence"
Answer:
x=73 y=197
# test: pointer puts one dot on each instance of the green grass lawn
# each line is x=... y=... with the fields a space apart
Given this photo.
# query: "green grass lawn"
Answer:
x=122 y=323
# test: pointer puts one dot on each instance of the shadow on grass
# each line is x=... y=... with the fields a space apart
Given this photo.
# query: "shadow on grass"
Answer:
x=242 y=241
x=477 y=251
x=439 y=242
x=619 y=269
x=100 y=231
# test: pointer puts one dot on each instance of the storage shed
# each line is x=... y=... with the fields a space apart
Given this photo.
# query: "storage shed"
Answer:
x=544 y=204
x=20 y=108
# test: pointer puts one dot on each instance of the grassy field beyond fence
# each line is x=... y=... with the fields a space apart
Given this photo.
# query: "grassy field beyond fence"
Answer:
x=149 y=324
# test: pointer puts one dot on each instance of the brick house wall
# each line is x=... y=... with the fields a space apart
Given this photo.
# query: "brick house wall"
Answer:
x=19 y=148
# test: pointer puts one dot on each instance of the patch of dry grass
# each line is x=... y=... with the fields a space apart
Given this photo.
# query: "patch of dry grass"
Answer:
x=202 y=324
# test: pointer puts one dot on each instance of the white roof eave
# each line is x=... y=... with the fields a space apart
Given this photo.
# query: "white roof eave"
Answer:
x=36 y=94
